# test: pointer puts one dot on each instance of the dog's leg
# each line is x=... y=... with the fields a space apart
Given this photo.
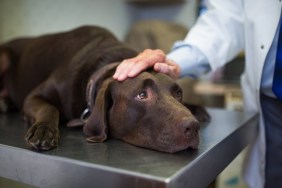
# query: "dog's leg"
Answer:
x=44 y=119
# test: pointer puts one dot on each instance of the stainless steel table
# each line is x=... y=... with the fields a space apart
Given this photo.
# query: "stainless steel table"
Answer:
x=76 y=163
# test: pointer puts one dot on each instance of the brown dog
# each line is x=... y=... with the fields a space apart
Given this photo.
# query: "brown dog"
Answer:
x=47 y=78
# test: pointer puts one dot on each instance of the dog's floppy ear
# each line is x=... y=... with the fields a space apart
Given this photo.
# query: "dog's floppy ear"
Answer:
x=98 y=97
x=199 y=112
x=96 y=125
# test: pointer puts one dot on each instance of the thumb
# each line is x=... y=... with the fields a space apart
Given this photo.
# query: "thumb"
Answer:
x=170 y=70
x=162 y=68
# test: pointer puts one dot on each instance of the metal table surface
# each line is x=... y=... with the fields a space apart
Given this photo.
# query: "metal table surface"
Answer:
x=76 y=163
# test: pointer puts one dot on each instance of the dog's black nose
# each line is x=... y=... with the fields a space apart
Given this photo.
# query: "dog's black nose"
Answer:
x=190 y=127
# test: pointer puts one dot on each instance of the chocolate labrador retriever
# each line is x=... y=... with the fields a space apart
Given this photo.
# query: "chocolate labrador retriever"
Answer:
x=55 y=77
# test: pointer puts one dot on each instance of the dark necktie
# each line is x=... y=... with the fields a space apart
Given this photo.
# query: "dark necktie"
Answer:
x=277 y=78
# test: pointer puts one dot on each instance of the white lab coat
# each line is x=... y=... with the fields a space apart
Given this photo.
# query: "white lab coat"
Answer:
x=234 y=25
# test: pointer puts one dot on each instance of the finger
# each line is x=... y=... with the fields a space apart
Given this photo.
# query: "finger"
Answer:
x=137 y=68
x=124 y=72
x=161 y=67
x=146 y=62
x=153 y=57
x=133 y=67
x=171 y=70
x=123 y=69
x=174 y=69
x=120 y=68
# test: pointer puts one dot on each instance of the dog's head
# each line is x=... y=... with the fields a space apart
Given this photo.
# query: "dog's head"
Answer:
x=144 y=111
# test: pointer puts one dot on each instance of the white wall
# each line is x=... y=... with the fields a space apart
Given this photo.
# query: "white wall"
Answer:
x=184 y=13
x=33 y=17
x=36 y=17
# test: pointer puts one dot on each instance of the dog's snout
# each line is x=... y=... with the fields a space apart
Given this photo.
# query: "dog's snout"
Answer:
x=190 y=127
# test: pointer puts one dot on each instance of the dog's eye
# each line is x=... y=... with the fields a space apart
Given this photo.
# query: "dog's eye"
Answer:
x=178 y=94
x=143 y=95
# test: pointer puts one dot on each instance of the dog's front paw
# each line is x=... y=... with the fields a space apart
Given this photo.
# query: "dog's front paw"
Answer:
x=42 y=136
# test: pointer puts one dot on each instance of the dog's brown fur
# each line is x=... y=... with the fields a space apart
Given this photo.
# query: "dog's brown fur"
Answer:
x=47 y=77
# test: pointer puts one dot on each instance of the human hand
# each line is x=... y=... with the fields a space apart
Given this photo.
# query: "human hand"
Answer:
x=148 y=58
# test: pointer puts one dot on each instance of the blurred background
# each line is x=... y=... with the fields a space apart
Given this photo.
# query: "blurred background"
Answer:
x=140 y=24
x=35 y=17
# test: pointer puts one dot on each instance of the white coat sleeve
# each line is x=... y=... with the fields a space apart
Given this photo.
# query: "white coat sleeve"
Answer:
x=218 y=35
x=192 y=61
